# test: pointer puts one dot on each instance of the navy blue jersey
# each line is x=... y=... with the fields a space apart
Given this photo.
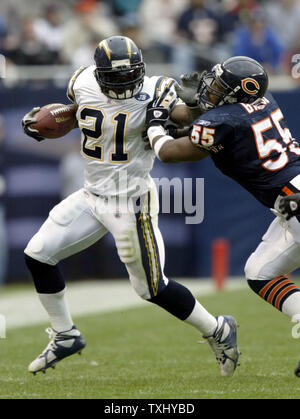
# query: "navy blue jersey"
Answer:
x=251 y=144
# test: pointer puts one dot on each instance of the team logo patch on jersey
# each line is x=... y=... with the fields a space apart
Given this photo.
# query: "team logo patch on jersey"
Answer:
x=204 y=123
x=250 y=86
x=142 y=97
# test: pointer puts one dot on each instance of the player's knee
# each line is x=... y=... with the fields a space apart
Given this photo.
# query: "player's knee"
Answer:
x=251 y=268
x=36 y=266
x=47 y=278
x=32 y=264
x=257 y=269
x=252 y=275
x=35 y=247
x=141 y=287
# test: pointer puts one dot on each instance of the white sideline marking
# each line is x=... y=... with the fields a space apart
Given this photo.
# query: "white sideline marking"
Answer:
x=23 y=308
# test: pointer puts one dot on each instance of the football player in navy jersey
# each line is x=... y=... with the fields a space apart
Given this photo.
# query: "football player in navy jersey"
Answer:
x=243 y=130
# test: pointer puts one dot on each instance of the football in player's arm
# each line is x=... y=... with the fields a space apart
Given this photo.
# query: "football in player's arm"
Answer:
x=244 y=131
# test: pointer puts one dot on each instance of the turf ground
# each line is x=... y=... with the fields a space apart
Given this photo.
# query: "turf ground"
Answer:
x=144 y=353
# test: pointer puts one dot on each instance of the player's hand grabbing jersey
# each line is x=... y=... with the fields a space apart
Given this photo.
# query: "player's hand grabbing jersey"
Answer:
x=111 y=130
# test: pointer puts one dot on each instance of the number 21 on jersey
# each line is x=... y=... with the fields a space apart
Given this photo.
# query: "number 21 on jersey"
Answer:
x=91 y=121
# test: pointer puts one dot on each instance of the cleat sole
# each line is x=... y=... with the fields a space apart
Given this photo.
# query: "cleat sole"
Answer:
x=53 y=366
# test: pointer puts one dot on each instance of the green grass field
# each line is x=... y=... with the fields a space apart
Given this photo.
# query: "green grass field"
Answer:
x=144 y=353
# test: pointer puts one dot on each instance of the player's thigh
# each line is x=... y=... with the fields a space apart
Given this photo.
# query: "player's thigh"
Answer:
x=277 y=254
x=70 y=228
x=140 y=246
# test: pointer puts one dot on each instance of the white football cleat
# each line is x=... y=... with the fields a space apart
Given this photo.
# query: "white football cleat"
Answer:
x=61 y=345
x=224 y=344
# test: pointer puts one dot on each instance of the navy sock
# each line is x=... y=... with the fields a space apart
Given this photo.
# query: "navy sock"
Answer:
x=176 y=299
x=47 y=279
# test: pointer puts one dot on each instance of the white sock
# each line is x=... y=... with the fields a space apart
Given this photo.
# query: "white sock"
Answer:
x=202 y=320
x=291 y=306
x=58 y=311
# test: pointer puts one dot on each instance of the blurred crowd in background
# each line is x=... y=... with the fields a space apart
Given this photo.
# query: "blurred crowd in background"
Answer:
x=187 y=33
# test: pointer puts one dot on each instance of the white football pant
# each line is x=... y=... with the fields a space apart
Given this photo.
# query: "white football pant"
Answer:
x=83 y=218
x=278 y=253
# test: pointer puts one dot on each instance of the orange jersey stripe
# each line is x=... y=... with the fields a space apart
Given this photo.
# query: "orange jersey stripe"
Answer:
x=287 y=191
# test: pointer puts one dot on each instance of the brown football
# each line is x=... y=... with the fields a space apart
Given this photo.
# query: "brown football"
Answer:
x=55 y=120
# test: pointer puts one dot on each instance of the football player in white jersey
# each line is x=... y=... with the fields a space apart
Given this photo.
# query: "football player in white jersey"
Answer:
x=114 y=99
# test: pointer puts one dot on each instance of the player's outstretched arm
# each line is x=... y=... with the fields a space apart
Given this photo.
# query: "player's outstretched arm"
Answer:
x=289 y=206
x=166 y=148
x=180 y=150
x=169 y=150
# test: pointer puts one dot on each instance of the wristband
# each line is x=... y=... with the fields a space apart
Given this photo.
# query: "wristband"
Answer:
x=159 y=143
x=155 y=131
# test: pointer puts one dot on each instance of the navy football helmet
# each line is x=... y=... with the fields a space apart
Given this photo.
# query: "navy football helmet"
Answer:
x=240 y=80
x=120 y=69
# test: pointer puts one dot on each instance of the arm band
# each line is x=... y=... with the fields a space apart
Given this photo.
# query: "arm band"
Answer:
x=159 y=143
x=155 y=131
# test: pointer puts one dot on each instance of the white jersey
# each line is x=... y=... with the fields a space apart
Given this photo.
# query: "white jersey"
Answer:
x=116 y=161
